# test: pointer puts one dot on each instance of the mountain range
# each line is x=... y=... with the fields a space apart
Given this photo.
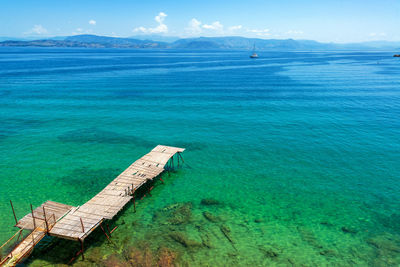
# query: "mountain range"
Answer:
x=233 y=42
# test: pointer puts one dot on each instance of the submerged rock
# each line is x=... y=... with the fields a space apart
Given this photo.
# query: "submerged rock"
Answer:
x=385 y=244
x=328 y=253
x=227 y=233
x=183 y=240
x=140 y=257
x=270 y=253
x=209 y=202
x=181 y=214
x=95 y=256
x=175 y=214
x=171 y=207
x=206 y=240
x=166 y=257
x=209 y=216
x=326 y=223
x=387 y=249
x=114 y=261
x=309 y=237
x=349 y=230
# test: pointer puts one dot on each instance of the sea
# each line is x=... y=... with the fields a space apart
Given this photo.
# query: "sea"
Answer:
x=292 y=159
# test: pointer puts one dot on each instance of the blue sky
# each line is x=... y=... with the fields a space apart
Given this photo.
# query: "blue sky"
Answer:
x=326 y=21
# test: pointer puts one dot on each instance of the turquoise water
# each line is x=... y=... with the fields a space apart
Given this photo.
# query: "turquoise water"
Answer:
x=298 y=151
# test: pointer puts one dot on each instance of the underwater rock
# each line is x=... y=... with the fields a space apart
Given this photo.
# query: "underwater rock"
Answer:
x=175 y=214
x=309 y=237
x=209 y=202
x=387 y=249
x=171 y=207
x=166 y=257
x=328 y=253
x=385 y=244
x=227 y=233
x=183 y=240
x=206 y=240
x=114 y=261
x=269 y=252
x=209 y=216
x=326 y=223
x=392 y=221
x=348 y=230
x=139 y=257
x=182 y=214
x=95 y=256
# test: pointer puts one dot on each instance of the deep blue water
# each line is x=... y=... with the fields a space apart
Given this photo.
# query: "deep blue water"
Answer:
x=301 y=147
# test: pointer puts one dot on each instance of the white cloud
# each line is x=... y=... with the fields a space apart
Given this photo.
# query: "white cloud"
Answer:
x=263 y=32
x=79 y=31
x=160 y=17
x=215 y=26
x=194 y=27
x=37 y=29
x=375 y=34
x=235 y=28
x=161 y=28
x=92 y=22
x=294 y=32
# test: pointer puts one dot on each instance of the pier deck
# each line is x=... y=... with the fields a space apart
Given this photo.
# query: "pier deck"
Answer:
x=76 y=223
x=79 y=223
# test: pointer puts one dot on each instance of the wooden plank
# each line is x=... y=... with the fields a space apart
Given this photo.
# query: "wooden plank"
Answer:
x=108 y=202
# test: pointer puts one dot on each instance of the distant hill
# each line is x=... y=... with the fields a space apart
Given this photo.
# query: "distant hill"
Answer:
x=236 y=42
x=233 y=42
x=92 y=41
x=155 y=37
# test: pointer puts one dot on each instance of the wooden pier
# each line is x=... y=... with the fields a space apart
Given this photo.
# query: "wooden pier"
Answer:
x=76 y=223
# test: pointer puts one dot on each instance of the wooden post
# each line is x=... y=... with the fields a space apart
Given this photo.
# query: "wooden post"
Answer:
x=45 y=219
x=83 y=228
x=108 y=229
x=178 y=160
x=19 y=235
x=134 y=201
x=113 y=230
x=179 y=153
x=101 y=226
x=82 y=247
x=15 y=217
x=33 y=217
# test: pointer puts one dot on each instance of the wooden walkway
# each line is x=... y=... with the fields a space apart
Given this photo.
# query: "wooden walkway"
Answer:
x=76 y=223
x=25 y=247
x=79 y=223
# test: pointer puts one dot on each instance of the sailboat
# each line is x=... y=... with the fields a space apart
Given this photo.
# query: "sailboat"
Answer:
x=254 y=55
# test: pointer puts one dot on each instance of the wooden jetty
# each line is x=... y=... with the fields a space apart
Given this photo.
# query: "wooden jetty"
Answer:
x=76 y=223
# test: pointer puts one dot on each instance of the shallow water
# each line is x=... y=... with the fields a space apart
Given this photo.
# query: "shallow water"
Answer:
x=299 y=149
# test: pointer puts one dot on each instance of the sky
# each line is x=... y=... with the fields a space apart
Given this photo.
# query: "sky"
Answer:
x=325 y=21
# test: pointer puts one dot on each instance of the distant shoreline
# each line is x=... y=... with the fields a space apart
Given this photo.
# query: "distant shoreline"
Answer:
x=202 y=43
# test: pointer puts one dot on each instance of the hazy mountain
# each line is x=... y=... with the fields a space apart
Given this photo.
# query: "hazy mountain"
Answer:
x=87 y=40
x=233 y=42
x=236 y=42
x=115 y=41
x=155 y=37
